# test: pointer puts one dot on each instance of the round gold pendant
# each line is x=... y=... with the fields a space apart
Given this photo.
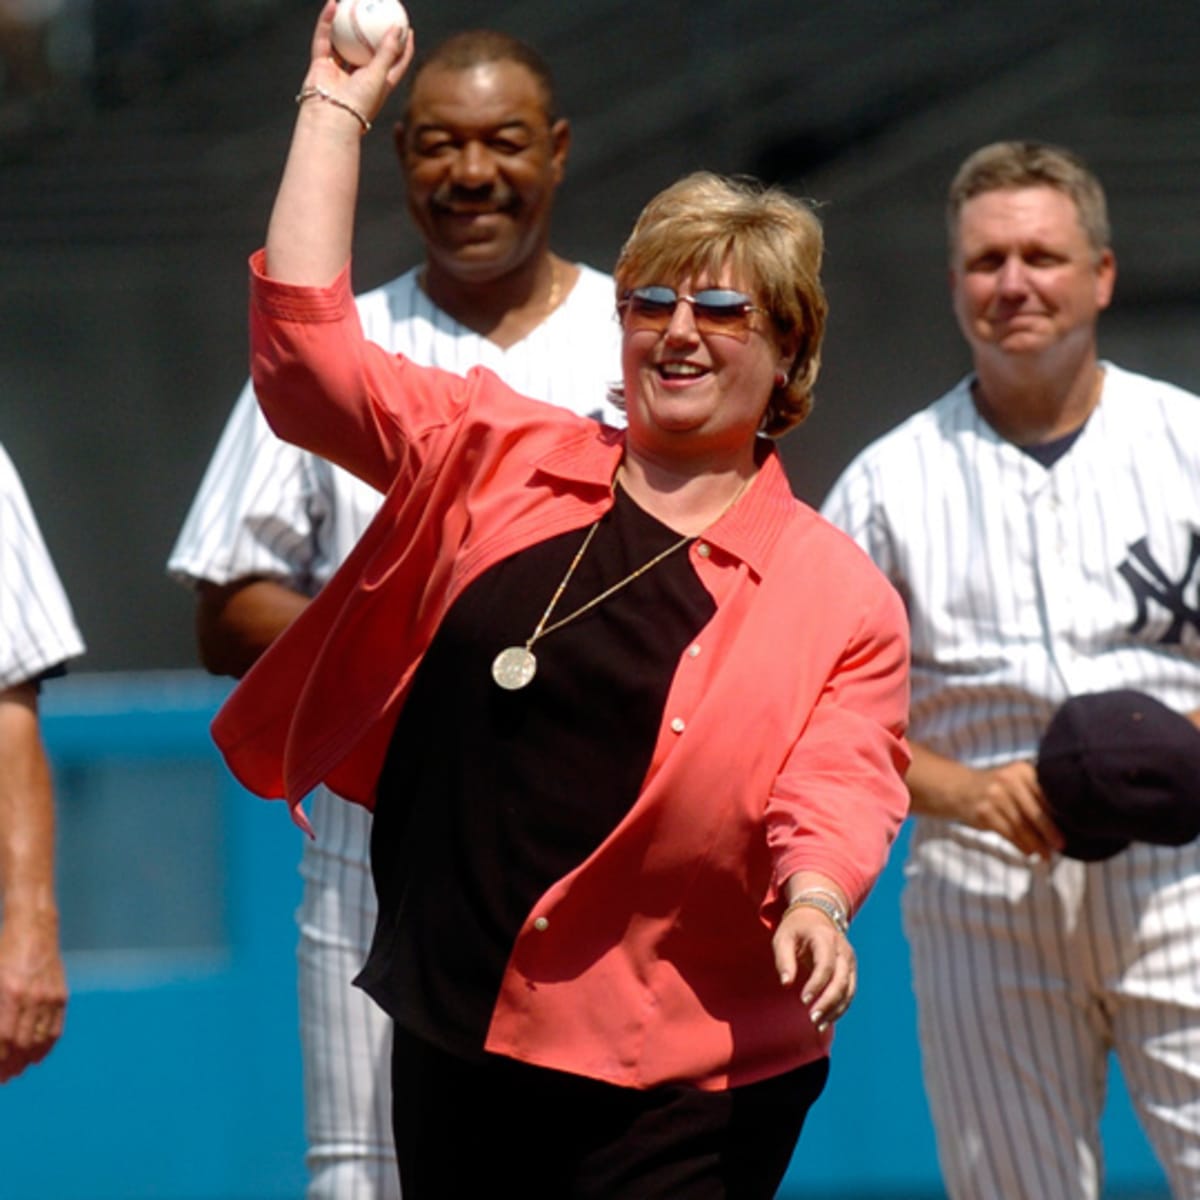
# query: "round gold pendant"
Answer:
x=514 y=668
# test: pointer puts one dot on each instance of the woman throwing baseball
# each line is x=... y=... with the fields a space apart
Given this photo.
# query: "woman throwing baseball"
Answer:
x=629 y=715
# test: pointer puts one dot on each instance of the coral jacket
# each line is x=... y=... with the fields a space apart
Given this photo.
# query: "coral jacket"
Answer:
x=780 y=748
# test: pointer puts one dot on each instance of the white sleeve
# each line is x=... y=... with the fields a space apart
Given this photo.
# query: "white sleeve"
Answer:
x=258 y=510
x=853 y=506
x=838 y=507
x=37 y=627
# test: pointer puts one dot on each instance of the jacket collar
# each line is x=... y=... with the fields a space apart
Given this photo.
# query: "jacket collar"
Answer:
x=748 y=531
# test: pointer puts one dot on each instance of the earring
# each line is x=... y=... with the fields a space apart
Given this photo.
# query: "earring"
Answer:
x=781 y=379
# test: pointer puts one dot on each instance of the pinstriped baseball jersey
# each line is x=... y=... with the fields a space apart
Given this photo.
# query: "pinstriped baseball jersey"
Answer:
x=1024 y=585
x=37 y=627
x=269 y=508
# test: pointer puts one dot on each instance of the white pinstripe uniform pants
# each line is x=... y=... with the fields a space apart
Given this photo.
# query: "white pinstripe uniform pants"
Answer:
x=347 y=1037
x=1032 y=975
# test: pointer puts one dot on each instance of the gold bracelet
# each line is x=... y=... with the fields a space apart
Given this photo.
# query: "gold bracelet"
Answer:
x=823 y=901
x=315 y=89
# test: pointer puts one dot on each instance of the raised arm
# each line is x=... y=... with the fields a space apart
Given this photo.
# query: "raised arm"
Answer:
x=312 y=223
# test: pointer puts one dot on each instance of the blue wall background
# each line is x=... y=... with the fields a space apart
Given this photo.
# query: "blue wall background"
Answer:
x=178 y=1076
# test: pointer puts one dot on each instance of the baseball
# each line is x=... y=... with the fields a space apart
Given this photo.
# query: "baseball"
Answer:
x=359 y=26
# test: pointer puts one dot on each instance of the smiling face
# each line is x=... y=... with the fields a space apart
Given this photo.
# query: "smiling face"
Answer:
x=482 y=161
x=690 y=394
x=1025 y=279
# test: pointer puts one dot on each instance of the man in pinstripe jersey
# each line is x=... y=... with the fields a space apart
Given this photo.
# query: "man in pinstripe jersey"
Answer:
x=1042 y=521
x=482 y=152
x=37 y=635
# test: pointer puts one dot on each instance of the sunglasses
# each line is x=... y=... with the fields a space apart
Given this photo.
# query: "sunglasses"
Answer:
x=714 y=310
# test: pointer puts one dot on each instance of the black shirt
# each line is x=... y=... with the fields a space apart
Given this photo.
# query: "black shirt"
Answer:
x=487 y=796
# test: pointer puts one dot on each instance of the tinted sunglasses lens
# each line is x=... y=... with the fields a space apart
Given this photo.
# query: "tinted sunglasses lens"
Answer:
x=722 y=308
x=653 y=306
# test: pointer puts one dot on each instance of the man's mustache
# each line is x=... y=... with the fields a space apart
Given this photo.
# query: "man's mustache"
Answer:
x=457 y=200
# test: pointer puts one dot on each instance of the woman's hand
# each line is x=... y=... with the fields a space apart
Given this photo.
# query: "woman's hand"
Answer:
x=365 y=88
x=811 y=951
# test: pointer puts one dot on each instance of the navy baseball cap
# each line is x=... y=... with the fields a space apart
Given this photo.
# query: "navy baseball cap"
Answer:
x=1119 y=767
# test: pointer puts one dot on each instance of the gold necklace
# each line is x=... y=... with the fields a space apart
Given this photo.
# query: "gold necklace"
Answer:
x=552 y=302
x=515 y=666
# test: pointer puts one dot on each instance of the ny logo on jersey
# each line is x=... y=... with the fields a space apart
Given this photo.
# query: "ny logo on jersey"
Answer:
x=1150 y=582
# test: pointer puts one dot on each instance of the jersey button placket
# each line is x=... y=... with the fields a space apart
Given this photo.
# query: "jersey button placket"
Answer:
x=1058 y=599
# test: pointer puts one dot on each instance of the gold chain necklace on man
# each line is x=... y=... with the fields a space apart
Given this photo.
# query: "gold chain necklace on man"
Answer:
x=514 y=667
x=555 y=283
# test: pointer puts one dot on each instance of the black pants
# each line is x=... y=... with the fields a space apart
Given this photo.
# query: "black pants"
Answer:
x=500 y=1127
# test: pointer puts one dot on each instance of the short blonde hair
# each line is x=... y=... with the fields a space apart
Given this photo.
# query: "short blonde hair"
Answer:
x=1006 y=166
x=772 y=240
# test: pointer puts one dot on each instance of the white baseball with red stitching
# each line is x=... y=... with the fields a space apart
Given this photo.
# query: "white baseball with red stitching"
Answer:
x=359 y=26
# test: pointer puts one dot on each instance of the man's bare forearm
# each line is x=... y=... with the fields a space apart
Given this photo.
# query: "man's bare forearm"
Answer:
x=236 y=622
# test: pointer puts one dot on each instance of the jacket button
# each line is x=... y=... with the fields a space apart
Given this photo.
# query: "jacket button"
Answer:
x=703 y=549
x=694 y=650
x=678 y=725
x=541 y=924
